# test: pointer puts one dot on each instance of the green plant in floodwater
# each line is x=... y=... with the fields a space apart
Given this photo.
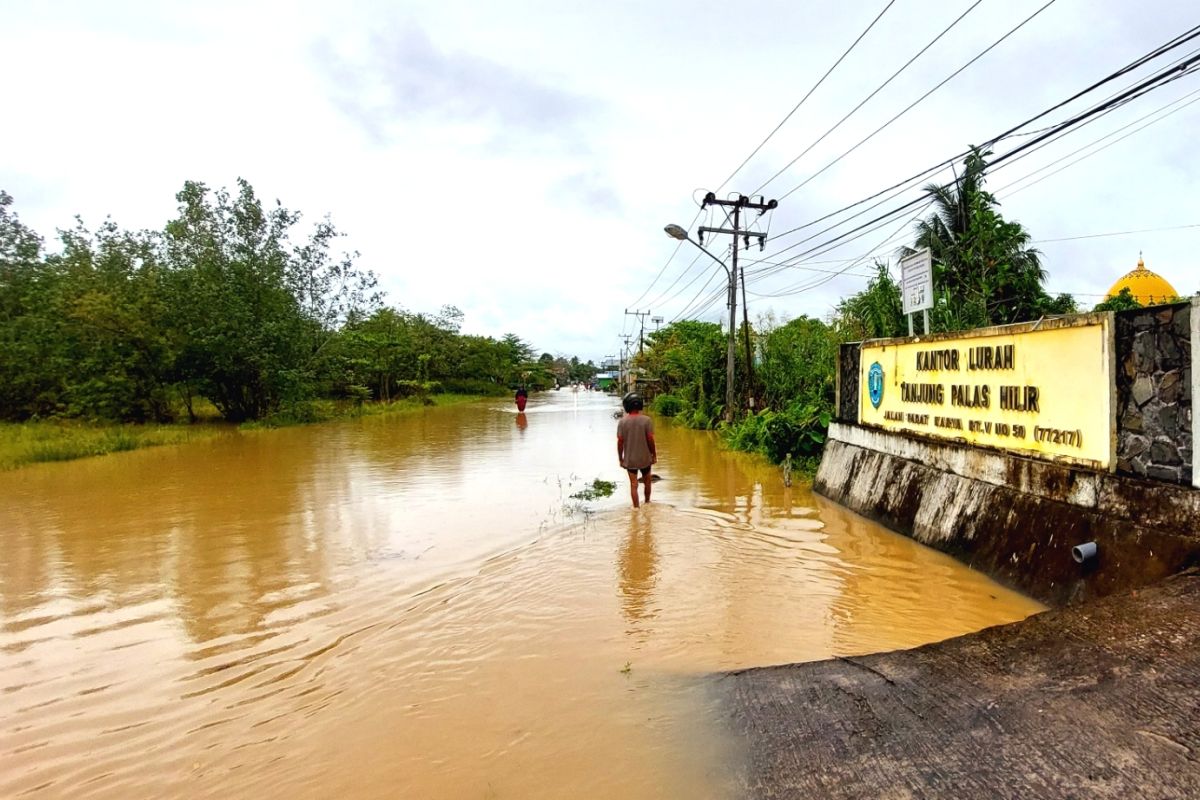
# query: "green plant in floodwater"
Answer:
x=628 y=668
x=598 y=489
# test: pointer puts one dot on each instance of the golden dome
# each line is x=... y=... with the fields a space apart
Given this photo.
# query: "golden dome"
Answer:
x=1148 y=288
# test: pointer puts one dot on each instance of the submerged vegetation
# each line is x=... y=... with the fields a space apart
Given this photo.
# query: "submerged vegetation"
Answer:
x=37 y=441
x=598 y=488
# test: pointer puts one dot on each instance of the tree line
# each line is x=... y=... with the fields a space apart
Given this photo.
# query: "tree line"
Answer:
x=229 y=303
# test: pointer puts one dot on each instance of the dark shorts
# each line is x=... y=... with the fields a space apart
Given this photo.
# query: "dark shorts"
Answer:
x=644 y=470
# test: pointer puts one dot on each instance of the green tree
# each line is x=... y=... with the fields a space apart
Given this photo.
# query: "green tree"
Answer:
x=688 y=360
x=876 y=312
x=31 y=358
x=1124 y=301
x=115 y=324
x=984 y=270
x=797 y=364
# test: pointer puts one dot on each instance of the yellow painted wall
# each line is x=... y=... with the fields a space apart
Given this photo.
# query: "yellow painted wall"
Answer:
x=1069 y=367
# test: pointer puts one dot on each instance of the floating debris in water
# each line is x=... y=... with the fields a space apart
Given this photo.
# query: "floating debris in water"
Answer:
x=598 y=489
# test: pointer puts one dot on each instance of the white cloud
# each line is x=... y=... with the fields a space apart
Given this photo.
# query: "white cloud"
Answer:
x=519 y=160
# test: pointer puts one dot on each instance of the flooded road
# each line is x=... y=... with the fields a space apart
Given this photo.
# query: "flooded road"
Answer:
x=415 y=607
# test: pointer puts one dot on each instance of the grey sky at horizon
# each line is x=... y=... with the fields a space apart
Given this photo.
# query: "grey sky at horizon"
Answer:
x=520 y=160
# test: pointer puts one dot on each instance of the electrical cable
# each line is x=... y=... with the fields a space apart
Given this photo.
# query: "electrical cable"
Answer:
x=1161 y=49
x=1116 y=233
x=819 y=282
x=1155 y=81
x=815 y=86
x=878 y=89
x=1094 y=152
x=919 y=100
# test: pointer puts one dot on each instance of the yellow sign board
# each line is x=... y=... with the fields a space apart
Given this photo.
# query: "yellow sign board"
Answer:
x=1041 y=390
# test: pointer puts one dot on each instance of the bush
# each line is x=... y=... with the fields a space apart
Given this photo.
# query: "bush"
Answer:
x=416 y=389
x=667 y=405
x=474 y=386
x=748 y=434
x=800 y=429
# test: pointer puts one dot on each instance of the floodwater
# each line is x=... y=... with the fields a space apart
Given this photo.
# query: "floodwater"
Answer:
x=415 y=607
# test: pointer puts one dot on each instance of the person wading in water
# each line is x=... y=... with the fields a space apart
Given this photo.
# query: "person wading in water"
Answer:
x=635 y=445
x=521 y=397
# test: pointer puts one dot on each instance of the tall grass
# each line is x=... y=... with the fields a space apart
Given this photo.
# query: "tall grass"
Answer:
x=63 y=440
x=34 y=442
x=308 y=412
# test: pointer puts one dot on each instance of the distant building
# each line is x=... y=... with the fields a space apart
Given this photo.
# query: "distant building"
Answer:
x=1148 y=288
x=605 y=380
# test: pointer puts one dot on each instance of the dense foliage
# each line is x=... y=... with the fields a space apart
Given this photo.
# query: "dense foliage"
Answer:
x=1123 y=301
x=231 y=302
x=984 y=270
x=794 y=369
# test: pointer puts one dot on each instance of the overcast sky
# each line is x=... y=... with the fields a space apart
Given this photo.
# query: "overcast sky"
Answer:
x=519 y=159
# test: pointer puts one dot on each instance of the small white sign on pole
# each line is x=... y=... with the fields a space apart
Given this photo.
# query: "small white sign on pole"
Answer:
x=916 y=281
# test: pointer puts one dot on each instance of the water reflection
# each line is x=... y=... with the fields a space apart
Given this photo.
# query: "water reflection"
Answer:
x=230 y=617
x=638 y=570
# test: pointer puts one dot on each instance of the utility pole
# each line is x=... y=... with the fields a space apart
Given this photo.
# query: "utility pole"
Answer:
x=641 y=315
x=625 y=368
x=749 y=357
x=738 y=204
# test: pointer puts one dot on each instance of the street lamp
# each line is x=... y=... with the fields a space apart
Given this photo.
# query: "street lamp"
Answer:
x=680 y=233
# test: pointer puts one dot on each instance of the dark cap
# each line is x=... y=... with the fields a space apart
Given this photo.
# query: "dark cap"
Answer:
x=632 y=402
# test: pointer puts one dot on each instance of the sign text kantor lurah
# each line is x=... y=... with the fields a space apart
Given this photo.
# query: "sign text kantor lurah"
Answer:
x=1043 y=392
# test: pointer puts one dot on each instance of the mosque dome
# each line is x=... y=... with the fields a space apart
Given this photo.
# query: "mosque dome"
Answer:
x=1148 y=288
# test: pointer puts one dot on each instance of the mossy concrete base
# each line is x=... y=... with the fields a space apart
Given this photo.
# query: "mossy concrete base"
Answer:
x=1016 y=519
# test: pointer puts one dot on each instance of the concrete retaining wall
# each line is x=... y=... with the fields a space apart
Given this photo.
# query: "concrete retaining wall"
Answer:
x=1015 y=518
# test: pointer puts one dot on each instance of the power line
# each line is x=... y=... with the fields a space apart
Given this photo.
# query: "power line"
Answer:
x=919 y=100
x=670 y=258
x=878 y=89
x=1116 y=233
x=1097 y=150
x=684 y=288
x=1155 y=81
x=815 y=86
x=1106 y=104
x=1182 y=227
x=798 y=288
x=697 y=297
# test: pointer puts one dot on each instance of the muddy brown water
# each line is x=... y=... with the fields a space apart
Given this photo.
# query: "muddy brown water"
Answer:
x=415 y=607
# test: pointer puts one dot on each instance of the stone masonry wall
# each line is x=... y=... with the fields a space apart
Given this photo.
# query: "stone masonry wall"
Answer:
x=1154 y=393
x=848 y=369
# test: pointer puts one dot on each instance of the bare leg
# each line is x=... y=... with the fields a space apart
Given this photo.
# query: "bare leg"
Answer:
x=646 y=481
x=633 y=482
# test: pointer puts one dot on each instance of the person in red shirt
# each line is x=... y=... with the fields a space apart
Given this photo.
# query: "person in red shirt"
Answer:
x=635 y=445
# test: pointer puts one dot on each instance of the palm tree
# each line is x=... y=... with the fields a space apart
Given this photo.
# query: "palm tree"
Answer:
x=984 y=270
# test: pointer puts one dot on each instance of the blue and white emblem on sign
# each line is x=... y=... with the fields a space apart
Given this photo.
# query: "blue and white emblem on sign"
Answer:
x=875 y=384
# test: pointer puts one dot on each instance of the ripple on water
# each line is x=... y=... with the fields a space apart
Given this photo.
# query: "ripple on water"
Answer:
x=404 y=607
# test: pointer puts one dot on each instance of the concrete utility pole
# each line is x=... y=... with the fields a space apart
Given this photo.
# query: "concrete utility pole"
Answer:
x=738 y=204
x=641 y=315
x=625 y=369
